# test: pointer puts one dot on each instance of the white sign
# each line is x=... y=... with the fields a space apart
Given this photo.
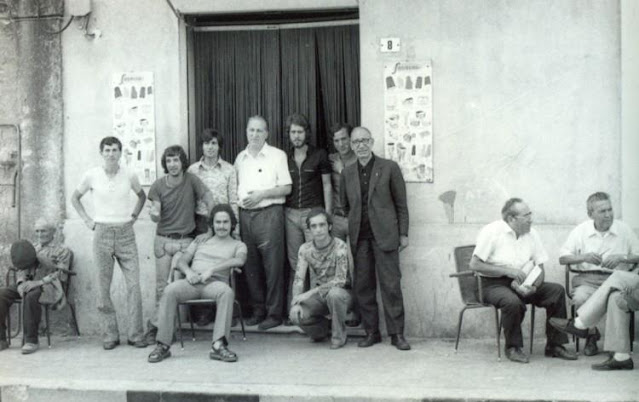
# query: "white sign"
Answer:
x=389 y=45
x=134 y=122
x=408 y=119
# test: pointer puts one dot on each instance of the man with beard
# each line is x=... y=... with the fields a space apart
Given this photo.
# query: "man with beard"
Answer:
x=311 y=176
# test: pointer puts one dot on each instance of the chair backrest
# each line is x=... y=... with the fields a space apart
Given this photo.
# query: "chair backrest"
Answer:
x=468 y=285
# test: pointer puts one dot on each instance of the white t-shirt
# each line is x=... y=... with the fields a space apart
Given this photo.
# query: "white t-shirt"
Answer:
x=111 y=196
x=497 y=244
x=267 y=170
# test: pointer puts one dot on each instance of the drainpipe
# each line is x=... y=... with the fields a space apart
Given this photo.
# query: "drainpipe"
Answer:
x=16 y=176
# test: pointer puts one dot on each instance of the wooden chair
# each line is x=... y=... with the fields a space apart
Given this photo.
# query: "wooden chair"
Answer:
x=11 y=278
x=470 y=287
x=570 y=270
x=211 y=303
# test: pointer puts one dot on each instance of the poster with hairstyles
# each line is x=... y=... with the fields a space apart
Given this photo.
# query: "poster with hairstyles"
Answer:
x=134 y=122
x=408 y=119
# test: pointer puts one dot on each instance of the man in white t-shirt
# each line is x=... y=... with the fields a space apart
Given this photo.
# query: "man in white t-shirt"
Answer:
x=502 y=249
x=114 y=239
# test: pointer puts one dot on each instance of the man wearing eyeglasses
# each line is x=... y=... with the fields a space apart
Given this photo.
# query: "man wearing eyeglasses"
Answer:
x=502 y=250
x=373 y=194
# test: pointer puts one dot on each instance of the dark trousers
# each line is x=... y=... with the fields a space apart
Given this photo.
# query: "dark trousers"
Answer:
x=263 y=233
x=551 y=296
x=369 y=259
x=32 y=312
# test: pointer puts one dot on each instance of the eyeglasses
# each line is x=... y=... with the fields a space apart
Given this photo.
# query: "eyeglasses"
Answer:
x=364 y=141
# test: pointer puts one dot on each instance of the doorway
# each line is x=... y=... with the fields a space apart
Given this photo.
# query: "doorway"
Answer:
x=273 y=64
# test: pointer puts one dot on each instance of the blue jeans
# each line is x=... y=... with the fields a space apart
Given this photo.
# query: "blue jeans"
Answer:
x=116 y=242
x=263 y=233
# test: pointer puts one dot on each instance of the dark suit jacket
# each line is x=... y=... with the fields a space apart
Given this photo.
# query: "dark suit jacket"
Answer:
x=387 y=207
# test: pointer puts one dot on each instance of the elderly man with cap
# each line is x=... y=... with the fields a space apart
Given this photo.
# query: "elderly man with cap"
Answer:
x=31 y=278
x=50 y=251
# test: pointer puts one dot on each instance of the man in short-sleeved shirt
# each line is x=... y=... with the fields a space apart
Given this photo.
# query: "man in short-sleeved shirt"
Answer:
x=114 y=239
x=174 y=198
x=263 y=183
x=597 y=248
x=207 y=266
x=503 y=248
x=217 y=175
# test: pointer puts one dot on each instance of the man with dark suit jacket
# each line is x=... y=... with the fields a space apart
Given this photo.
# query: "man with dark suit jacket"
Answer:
x=373 y=194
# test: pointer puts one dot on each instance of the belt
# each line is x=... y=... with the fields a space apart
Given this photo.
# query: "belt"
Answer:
x=259 y=209
x=177 y=236
x=339 y=212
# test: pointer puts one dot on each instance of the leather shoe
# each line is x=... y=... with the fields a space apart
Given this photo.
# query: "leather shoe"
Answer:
x=4 y=344
x=612 y=364
x=29 y=348
x=110 y=345
x=559 y=351
x=337 y=345
x=568 y=326
x=591 y=348
x=516 y=355
x=371 y=339
x=269 y=323
x=254 y=320
x=399 y=342
x=137 y=344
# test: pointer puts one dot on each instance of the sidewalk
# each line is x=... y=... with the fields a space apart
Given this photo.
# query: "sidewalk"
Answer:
x=287 y=367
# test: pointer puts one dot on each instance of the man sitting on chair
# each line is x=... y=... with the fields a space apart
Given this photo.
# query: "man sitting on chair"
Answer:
x=330 y=263
x=503 y=249
x=31 y=278
x=617 y=298
x=207 y=277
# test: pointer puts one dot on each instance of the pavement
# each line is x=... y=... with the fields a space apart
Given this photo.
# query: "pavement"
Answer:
x=288 y=367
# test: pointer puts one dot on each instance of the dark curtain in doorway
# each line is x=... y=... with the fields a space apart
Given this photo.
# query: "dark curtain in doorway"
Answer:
x=313 y=71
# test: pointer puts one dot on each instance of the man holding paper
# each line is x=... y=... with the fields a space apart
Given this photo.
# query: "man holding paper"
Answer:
x=596 y=248
x=503 y=249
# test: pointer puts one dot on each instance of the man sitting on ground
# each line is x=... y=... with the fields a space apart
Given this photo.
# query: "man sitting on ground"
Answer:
x=329 y=260
x=618 y=298
x=207 y=277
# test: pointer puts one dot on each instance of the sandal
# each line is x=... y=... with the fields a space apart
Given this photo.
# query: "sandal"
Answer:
x=222 y=353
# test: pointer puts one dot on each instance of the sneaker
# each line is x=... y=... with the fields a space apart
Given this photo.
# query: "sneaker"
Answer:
x=29 y=348
x=222 y=353
x=160 y=353
x=4 y=344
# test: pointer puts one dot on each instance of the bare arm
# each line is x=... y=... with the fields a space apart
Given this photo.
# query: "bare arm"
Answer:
x=139 y=205
x=77 y=204
x=254 y=197
x=237 y=261
x=327 y=186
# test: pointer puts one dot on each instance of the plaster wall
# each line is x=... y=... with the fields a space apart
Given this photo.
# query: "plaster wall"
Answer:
x=526 y=103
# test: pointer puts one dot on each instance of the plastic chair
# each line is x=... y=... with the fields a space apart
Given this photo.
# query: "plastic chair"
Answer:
x=568 y=270
x=470 y=287
x=211 y=303
x=11 y=277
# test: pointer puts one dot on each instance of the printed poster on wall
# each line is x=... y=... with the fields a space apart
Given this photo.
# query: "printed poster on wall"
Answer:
x=408 y=119
x=134 y=122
